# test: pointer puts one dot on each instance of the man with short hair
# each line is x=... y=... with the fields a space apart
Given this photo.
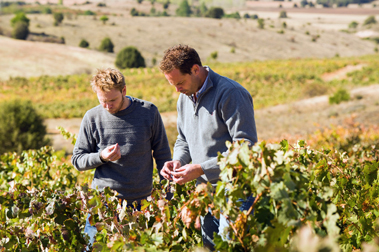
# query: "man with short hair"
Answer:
x=119 y=138
x=212 y=109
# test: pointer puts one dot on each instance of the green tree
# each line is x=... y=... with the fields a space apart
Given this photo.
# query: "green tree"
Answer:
x=89 y=13
x=215 y=12
x=166 y=5
x=20 y=30
x=353 y=25
x=370 y=20
x=106 y=45
x=84 y=43
x=47 y=10
x=20 y=17
x=21 y=128
x=58 y=18
x=184 y=10
x=139 y=1
x=104 y=19
x=203 y=9
x=129 y=57
x=134 y=12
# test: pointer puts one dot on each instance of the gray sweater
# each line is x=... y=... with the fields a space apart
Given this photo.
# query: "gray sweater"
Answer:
x=223 y=112
x=141 y=135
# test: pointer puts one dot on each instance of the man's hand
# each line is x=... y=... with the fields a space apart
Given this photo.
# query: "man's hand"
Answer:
x=187 y=173
x=169 y=167
x=111 y=153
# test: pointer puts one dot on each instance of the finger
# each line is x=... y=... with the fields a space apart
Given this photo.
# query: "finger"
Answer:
x=176 y=165
x=165 y=174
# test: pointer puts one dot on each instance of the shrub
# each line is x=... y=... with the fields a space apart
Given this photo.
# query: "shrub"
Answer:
x=139 y=1
x=339 y=96
x=84 y=43
x=303 y=3
x=58 y=17
x=283 y=14
x=21 y=128
x=20 y=30
x=215 y=12
x=129 y=57
x=203 y=9
x=261 y=23
x=106 y=45
x=370 y=20
x=153 y=11
x=47 y=10
x=134 y=12
x=284 y=25
x=89 y=13
x=101 y=5
x=20 y=17
x=235 y=15
x=104 y=19
x=166 y=4
x=214 y=55
x=254 y=16
x=353 y=25
x=184 y=10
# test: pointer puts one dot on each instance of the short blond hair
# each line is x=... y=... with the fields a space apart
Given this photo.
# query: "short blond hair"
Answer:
x=108 y=79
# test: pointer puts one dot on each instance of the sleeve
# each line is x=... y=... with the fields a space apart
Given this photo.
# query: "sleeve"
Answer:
x=85 y=156
x=181 y=149
x=160 y=146
x=237 y=111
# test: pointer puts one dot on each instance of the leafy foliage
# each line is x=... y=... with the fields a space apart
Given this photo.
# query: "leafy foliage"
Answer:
x=339 y=96
x=58 y=17
x=353 y=25
x=215 y=12
x=104 y=19
x=21 y=127
x=370 y=20
x=184 y=10
x=261 y=23
x=89 y=13
x=129 y=57
x=84 y=43
x=20 y=30
x=106 y=45
x=324 y=198
x=20 y=17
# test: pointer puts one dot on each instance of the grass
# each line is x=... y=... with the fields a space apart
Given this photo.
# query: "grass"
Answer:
x=269 y=82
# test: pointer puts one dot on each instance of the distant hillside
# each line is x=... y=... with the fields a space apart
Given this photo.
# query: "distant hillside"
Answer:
x=26 y=59
x=301 y=35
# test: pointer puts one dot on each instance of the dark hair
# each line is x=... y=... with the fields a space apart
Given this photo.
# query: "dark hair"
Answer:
x=181 y=57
